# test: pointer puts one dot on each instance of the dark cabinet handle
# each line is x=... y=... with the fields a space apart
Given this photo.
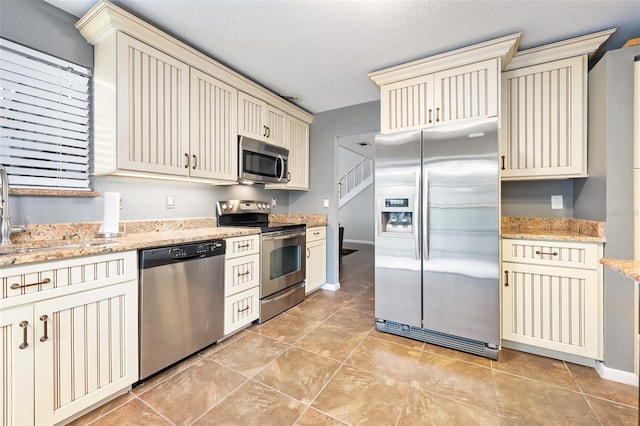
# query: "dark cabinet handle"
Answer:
x=16 y=286
x=437 y=115
x=243 y=310
x=186 y=159
x=555 y=253
x=506 y=278
x=503 y=158
x=24 y=343
x=195 y=162
x=243 y=274
x=430 y=121
x=44 y=319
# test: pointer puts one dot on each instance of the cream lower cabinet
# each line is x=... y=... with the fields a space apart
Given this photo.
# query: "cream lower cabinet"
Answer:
x=241 y=282
x=69 y=342
x=552 y=296
x=543 y=132
x=316 y=262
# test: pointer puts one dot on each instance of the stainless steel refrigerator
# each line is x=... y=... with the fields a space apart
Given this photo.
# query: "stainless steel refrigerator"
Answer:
x=437 y=236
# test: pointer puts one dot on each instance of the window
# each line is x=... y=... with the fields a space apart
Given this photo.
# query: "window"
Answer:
x=44 y=119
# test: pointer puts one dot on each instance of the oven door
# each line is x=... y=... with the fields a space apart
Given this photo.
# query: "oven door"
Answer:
x=283 y=261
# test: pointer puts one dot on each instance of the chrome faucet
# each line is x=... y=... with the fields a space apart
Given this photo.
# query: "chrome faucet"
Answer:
x=5 y=227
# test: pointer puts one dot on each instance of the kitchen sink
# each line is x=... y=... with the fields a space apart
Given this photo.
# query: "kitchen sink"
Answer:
x=21 y=250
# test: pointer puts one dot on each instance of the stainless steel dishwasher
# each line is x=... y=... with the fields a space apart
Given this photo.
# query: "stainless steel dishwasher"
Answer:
x=181 y=302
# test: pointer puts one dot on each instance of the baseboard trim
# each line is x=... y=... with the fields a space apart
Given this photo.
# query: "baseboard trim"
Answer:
x=620 y=376
x=369 y=243
x=331 y=286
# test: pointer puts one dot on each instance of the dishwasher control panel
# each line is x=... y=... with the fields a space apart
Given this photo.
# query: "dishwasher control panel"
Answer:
x=165 y=255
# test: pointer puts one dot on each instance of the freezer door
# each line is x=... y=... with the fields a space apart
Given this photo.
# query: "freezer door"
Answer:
x=461 y=231
x=398 y=292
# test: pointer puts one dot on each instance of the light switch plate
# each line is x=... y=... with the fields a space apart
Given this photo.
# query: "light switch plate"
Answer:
x=170 y=202
x=326 y=202
x=556 y=202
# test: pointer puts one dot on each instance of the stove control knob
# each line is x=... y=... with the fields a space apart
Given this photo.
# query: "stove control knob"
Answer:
x=224 y=207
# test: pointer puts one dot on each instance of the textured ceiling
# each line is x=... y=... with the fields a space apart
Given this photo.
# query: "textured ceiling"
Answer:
x=322 y=50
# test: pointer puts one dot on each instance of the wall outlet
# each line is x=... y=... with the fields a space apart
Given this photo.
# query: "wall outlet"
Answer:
x=170 y=202
x=274 y=202
x=556 y=202
x=325 y=202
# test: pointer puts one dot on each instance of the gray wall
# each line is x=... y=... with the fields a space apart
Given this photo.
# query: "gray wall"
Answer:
x=358 y=226
x=533 y=198
x=323 y=159
x=39 y=25
x=608 y=193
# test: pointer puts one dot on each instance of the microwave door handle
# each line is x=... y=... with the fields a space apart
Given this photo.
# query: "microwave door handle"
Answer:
x=281 y=167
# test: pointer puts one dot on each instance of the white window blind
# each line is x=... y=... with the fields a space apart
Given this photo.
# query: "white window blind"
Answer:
x=44 y=119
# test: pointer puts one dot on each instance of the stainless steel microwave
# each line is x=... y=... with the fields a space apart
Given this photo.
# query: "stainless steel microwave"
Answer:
x=261 y=162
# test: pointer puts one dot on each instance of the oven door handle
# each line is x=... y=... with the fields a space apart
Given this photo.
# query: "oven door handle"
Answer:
x=283 y=237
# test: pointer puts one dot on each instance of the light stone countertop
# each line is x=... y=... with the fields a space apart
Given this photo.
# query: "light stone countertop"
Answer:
x=21 y=253
x=628 y=268
x=553 y=229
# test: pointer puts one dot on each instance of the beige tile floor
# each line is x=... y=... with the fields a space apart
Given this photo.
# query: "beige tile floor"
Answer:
x=323 y=363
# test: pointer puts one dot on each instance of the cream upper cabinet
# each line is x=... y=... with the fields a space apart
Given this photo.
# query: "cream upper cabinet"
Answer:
x=162 y=109
x=458 y=85
x=70 y=332
x=543 y=132
x=460 y=93
x=552 y=296
x=298 y=163
x=261 y=121
x=152 y=108
x=213 y=129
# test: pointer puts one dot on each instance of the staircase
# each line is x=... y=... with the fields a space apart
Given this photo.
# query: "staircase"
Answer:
x=355 y=180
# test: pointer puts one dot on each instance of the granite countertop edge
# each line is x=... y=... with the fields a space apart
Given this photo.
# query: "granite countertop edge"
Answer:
x=134 y=241
x=550 y=235
x=628 y=268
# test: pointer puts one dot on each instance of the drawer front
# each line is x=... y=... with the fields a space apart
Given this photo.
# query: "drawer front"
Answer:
x=575 y=255
x=241 y=309
x=242 y=246
x=316 y=233
x=38 y=281
x=241 y=273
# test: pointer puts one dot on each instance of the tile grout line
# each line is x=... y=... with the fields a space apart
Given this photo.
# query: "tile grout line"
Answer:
x=155 y=410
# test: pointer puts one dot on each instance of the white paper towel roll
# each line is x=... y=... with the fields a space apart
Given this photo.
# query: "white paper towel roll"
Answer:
x=111 y=219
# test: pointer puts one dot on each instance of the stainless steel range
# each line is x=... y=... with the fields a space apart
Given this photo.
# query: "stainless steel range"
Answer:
x=282 y=250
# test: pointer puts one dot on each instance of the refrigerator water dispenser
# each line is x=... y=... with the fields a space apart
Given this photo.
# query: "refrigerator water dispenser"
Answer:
x=396 y=216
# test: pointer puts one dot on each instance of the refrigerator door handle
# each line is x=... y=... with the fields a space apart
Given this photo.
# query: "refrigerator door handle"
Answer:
x=425 y=215
x=416 y=218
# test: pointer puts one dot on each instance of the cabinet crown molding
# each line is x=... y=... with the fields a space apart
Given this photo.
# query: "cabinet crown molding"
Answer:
x=583 y=45
x=105 y=17
x=503 y=48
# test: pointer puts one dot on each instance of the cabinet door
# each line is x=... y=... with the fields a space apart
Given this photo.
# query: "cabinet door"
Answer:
x=16 y=366
x=298 y=154
x=153 y=109
x=466 y=92
x=214 y=129
x=86 y=349
x=252 y=117
x=543 y=133
x=316 y=265
x=298 y=165
x=277 y=129
x=241 y=309
x=407 y=104
x=553 y=308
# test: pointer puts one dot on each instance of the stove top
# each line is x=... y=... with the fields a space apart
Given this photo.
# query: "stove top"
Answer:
x=250 y=213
